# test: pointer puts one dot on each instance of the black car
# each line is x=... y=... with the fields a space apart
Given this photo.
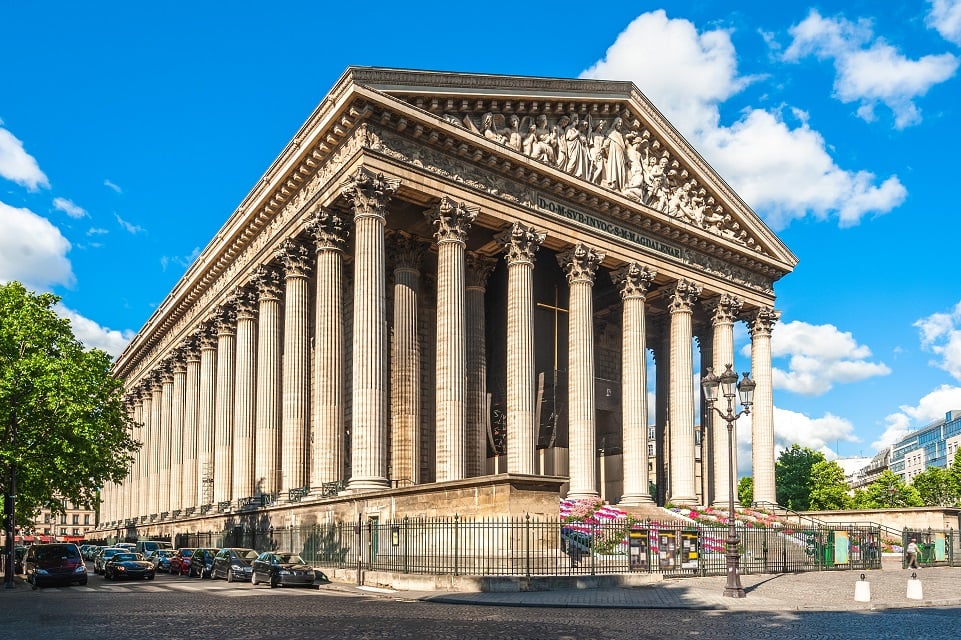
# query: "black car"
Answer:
x=128 y=565
x=281 y=570
x=104 y=555
x=201 y=563
x=233 y=563
x=57 y=563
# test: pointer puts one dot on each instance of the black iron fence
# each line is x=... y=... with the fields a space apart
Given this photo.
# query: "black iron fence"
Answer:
x=936 y=547
x=525 y=546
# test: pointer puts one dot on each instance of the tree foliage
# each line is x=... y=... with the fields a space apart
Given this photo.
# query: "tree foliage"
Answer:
x=745 y=490
x=65 y=429
x=829 y=489
x=935 y=487
x=792 y=475
x=887 y=492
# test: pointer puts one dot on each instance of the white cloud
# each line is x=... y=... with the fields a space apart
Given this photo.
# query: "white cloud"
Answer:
x=820 y=356
x=128 y=226
x=930 y=408
x=17 y=165
x=784 y=172
x=32 y=250
x=92 y=335
x=97 y=231
x=941 y=334
x=945 y=18
x=71 y=209
x=111 y=185
x=869 y=71
x=820 y=434
x=183 y=261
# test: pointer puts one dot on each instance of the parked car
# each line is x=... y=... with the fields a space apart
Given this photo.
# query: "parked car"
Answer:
x=55 y=563
x=105 y=554
x=180 y=562
x=233 y=563
x=91 y=552
x=160 y=558
x=281 y=570
x=127 y=564
x=201 y=562
x=146 y=547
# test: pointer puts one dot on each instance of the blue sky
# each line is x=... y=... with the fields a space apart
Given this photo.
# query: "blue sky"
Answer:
x=129 y=132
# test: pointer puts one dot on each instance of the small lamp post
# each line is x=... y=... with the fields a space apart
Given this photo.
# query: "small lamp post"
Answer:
x=727 y=382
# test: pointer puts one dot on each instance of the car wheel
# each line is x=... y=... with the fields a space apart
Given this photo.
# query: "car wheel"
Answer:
x=273 y=583
x=253 y=579
x=150 y=577
x=230 y=575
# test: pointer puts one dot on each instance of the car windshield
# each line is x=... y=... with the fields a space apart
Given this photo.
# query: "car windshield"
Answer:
x=186 y=553
x=124 y=557
x=108 y=553
x=289 y=558
x=246 y=554
x=59 y=551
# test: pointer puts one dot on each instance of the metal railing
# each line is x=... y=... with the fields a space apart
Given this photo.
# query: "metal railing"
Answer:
x=936 y=547
x=525 y=546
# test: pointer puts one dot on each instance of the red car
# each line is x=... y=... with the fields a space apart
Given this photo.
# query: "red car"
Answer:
x=180 y=562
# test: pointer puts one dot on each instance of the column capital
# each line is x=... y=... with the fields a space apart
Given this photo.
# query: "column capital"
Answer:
x=683 y=295
x=207 y=336
x=327 y=228
x=245 y=303
x=520 y=243
x=761 y=321
x=295 y=258
x=404 y=251
x=633 y=280
x=266 y=281
x=479 y=269
x=724 y=308
x=369 y=192
x=451 y=220
x=580 y=263
x=225 y=319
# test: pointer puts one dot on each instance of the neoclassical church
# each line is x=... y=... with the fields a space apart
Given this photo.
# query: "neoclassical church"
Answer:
x=455 y=292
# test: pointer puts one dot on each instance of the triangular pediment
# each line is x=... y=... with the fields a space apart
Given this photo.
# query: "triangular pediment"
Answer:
x=605 y=134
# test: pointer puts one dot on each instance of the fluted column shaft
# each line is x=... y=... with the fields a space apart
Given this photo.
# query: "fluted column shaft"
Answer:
x=226 y=385
x=328 y=459
x=245 y=405
x=164 y=446
x=296 y=424
x=724 y=314
x=580 y=264
x=634 y=280
x=479 y=269
x=178 y=400
x=406 y=254
x=190 y=486
x=207 y=418
x=146 y=452
x=369 y=194
x=762 y=413
x=267 y=465
x=452 y=221
x=156 y=444
x=132 y=499
x=520 y=245
x=683 y=487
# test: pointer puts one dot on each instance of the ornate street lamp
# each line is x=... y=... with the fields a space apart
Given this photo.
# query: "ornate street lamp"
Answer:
x=727 y=382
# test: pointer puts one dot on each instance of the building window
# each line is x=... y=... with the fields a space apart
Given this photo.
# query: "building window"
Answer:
x=86 y=518
x=63 y=531
x=76 y=518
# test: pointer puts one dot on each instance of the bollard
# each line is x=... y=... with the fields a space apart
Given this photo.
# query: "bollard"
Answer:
x=862 y=590
x=915 y=592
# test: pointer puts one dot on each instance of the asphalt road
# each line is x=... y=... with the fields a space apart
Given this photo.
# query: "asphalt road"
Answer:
x=171 y=607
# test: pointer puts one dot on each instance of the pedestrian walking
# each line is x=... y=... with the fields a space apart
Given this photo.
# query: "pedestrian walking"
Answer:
x=911 y=551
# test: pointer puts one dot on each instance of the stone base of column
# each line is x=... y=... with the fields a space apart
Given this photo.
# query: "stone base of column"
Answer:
x=722 y=505
x=635 y=500
x=683 y=501
x=586 y=495
x=360 y=485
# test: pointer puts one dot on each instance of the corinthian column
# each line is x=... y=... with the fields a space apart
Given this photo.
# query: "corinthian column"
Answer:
x=761 y=324
x=479 y=269
x=190 y=487
x=245 y=405
x=329 y=233
x=155 y=444
x=207 y=417
x=226 y=384
x=269 y=350
x=369 y=194
x=295 y=259
x=634 y=281
x=724 y=311
x=580 y=264
x=451 y=221
x=178 y=399
x=138 y=491
x=683 y=488
x=406 y=253
x=520 y=246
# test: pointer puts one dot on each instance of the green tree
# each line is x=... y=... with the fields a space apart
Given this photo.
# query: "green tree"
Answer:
x=887 y=492
x=954 y=475
x=792 y=475
x=65 y=429
x=829 y=489
x=935 y=487
x=745 y=490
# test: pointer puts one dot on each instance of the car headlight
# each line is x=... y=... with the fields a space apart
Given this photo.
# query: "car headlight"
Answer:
x=80 y=569
x=120 y=568
x=285 y=572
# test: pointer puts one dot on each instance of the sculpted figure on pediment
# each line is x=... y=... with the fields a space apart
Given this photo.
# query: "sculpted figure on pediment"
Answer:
x=578 y=156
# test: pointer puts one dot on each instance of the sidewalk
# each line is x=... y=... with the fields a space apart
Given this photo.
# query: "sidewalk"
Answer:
x=811 y=591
